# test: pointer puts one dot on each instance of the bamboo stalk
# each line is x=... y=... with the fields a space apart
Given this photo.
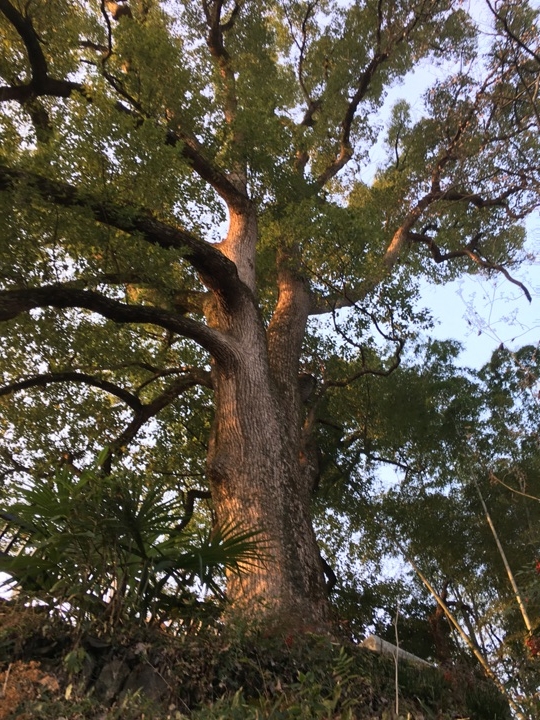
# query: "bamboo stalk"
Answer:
x=509 y=572
x=476 y=652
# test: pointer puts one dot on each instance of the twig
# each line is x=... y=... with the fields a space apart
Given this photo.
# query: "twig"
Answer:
x=494 y=478
x=4 y=686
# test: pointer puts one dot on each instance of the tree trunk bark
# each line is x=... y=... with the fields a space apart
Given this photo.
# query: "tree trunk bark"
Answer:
x=257 y=466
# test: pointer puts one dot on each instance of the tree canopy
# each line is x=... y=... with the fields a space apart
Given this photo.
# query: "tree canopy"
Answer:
x=204 y=282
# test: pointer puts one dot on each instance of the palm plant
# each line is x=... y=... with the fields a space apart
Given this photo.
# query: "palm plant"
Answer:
x=116 y=547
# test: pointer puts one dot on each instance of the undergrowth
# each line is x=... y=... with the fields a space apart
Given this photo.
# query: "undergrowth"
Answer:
x=51 y=672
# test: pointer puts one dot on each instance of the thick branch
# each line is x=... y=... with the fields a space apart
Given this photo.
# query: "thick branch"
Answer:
x=70 y=376
x=218 y=273
x=40 y=83
x=405 y=233
x=213 y=10
x=23 y=25
x=286 y=329
x=202 y=377
x=181 y=301
x=15 y=302
x=208 y=171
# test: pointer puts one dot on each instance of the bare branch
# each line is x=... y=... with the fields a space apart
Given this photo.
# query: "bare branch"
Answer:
x=496 y=479
x=146 y=412
x=467 y=251
x=189 y=504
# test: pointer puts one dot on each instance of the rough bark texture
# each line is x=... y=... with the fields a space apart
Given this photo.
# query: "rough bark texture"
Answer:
x=256 y=464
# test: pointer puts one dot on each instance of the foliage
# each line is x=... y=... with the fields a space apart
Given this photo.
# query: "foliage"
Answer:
x=466 y=437
x=202 y=271
x=105 y=548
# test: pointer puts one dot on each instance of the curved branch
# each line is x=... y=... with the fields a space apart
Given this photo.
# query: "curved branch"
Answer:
x=181 y=301
x=191 y=496
x=363 y=85
x=147 y=412
x=217 y=272
x=346 y=151
x=72 y=376
x=24 y=27
x=468 y=251
x=15 y=302
x=381 y=372
x=494 y=478
x=204 y=377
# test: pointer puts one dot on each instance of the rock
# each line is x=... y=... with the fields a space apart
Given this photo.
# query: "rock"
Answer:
x=148 y=681
x=111 y=680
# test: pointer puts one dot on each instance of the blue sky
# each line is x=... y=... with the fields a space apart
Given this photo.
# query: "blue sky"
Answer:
x=478 y=311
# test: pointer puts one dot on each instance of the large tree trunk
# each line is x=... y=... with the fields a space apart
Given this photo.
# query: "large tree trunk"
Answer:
x=257 y=463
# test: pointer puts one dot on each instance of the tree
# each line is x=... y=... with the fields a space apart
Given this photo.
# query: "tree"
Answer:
x=134 y=134
x=461 y=524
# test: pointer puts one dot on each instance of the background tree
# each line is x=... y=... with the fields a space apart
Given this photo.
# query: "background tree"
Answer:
x=466 y=449
x=185 y=203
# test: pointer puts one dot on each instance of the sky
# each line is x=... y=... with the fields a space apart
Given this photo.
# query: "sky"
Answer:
x=482 y=313
x=478 y=311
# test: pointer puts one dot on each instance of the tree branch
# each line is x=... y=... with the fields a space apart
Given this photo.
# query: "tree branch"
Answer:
x=191 y=496
x=217 y=272
x=203 y=377
x=467 y=251
x=146 y=412
x=71 y=376
x=346 y=151
x=381 y=372
x=15 y=302
x=380 y=56
x=503 y=19
x=41 y=83
x=286 y=329
x=213 y=10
